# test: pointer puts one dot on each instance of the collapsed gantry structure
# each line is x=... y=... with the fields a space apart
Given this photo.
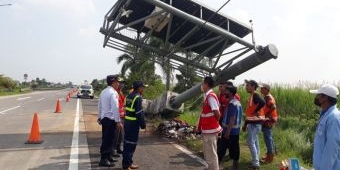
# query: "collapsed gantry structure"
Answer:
x=193 y=34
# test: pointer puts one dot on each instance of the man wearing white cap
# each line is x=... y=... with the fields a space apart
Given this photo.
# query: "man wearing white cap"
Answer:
x=326 y=154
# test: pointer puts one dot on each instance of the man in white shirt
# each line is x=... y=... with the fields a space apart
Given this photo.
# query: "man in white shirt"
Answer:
x=209 y=123
x=109 y=118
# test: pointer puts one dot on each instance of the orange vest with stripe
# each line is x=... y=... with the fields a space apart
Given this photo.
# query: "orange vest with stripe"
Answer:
x=208 y=122
x=251 y=107
x=270 y=101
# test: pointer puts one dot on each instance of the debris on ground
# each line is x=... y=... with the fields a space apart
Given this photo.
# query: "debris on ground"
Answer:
x=177 y=129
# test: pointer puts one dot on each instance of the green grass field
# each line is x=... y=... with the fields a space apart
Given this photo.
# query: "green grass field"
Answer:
x=13 y=92
x=293 y=135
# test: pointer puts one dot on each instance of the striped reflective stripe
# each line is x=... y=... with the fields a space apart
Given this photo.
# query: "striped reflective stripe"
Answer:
x=129 y=142
x=255 y=118
x=217 y=130
x=207 y=115
x=236 y=126
x=130 y=118
x=131 y=109
x=139 y=111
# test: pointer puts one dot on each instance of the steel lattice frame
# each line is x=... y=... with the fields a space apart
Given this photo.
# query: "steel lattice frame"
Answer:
x=118 y=35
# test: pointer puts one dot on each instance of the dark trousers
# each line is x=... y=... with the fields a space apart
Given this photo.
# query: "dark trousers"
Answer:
x=131 y=129
x=108 y=130
x=232 y=144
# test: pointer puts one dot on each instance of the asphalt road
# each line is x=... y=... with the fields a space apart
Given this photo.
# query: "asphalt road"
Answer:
x=72 y=138
x=16 y=115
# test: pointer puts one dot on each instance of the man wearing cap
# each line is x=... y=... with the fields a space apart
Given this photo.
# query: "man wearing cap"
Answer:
x=253 y=121
x=271 y=117
x=134 y=120
x=108 y=117
x=326 y=154
x=231 y=84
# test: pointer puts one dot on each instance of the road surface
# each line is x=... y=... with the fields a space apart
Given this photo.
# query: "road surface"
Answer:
x=72 y=138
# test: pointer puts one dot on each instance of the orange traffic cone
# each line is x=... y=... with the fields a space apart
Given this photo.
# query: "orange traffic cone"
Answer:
x=58 y=108
x=67 y=98
x=34 y=137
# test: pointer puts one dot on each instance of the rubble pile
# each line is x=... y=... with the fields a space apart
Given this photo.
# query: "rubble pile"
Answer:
x=177 y=129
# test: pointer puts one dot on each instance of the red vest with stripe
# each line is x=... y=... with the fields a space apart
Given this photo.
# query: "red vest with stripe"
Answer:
x=121 y=101
x=208 y=122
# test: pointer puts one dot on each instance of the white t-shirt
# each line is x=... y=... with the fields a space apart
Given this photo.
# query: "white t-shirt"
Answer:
x=214 y=104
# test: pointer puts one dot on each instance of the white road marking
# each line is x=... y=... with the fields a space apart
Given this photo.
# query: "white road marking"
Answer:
x=191 y=155
x=4 y=111
x=40 y=99
x=73 y=165
x=23 y=98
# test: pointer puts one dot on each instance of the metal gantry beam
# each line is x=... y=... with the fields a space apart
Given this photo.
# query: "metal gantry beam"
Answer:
x=159 y=51
x=253 y=60
x=139 y=21
x=199 y=21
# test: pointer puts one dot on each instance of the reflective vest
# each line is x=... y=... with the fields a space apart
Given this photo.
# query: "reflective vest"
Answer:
x=121 y=101
x=251 y=107
x=130 y=113
x=207 y=122
x=224 y=103
x=266 y=108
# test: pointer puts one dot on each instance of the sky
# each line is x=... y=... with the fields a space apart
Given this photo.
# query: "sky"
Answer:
x=59 y=40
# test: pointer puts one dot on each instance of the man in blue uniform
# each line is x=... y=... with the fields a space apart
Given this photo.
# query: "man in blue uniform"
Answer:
x=231 y=123
x=134 y=119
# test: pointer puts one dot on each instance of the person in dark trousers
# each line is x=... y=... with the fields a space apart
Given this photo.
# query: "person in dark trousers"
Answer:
x=134 y=120
x=231 y=129
x=108 y=117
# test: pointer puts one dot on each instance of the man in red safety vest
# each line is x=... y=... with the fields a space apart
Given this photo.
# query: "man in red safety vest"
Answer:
x=209 y=123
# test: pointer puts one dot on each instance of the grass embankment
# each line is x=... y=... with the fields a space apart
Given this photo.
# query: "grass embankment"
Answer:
x=293 y=135
x=14 y=92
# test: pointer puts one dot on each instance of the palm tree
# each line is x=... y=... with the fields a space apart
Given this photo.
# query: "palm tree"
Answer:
x=140 y=62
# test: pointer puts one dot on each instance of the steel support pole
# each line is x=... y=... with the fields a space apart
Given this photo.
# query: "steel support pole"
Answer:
x=199 y=21
x=231 y=72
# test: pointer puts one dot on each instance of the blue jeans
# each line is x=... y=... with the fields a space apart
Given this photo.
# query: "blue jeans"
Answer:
x=253 y=142
x=268 y=139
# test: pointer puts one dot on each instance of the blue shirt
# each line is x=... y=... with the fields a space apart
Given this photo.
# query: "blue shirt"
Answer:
x=234 y=109
x=326 y=155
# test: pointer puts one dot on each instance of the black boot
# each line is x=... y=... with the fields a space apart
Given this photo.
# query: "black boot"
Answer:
x=105 y=162
x=114 y=154
x=119 y=151
x=112 y=158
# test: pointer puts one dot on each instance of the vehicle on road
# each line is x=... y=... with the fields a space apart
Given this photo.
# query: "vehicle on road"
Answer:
x=85 y=91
